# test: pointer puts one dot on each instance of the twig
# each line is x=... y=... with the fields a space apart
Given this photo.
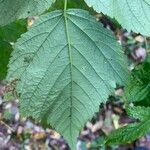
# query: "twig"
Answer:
x=2 y=122
x=146 y=44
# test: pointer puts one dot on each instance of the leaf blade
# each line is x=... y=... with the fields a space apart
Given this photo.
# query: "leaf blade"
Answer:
x=128 y=133
x=21 y=9
x=132 y=15
x=61 y=89
x=139 y=112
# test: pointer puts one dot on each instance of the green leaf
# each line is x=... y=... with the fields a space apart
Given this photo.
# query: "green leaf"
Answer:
x=136 y=92
x=131 y=14
x=139 y=112
x=68 y=64
x=11 y=10
x=70 y=4
x=129 y=133
x=5 y=50
x=134 y=131
x=9 y=33
x=12 y=32
x=138 y=87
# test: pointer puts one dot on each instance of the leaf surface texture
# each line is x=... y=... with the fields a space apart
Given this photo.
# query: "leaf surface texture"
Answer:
x=11 y=10
x=133 y=131
x=68 y=64
x=131 y=14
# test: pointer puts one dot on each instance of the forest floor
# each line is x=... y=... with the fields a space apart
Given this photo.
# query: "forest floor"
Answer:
x=18 y=133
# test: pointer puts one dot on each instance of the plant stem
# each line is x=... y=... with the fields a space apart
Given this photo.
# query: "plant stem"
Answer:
x=2 y=122
x=65 y=5
x=146 y=44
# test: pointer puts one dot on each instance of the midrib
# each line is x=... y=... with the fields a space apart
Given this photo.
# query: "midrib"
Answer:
x=71 y=66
